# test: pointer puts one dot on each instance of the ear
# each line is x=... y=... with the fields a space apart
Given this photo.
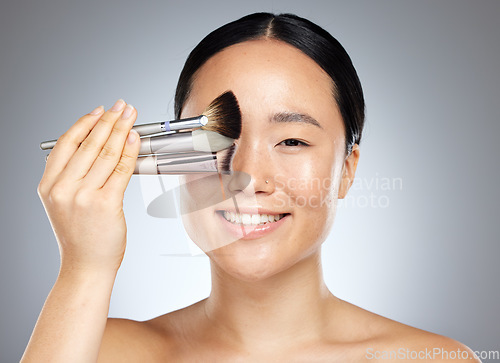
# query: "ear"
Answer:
x=348 y=171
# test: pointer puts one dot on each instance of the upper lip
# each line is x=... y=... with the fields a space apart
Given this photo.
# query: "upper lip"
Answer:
x=251 y=210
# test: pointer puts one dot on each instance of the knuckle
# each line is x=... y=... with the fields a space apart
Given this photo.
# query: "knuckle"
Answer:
x=66 y=139
x=88 y=144
x=119 y=128
x=83 y=199
x=108 y=200
x=108 y=153
x=107 y=119
x=42 y=189
x=123 y=167
x=59 y=193
x=129 y=159
x=118 y=132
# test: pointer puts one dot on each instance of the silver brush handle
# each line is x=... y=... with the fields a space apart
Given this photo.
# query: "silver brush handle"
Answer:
x=171 y=143
x=186 y=163
x=46 y=145
x=154 y=128
x=149 y=129
x=186 y=123
x=174 y=125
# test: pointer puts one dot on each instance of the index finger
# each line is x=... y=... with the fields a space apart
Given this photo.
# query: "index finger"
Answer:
x=68 y=143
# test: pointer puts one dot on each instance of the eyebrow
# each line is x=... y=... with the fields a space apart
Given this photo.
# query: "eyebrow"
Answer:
x=295 y=117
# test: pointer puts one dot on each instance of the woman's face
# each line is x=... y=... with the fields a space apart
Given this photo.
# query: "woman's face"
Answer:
x=292 y=136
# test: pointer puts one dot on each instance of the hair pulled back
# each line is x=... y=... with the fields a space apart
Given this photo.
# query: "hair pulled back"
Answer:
x=304 y=35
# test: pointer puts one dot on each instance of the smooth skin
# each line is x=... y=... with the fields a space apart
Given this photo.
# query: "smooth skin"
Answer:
x=268 y=301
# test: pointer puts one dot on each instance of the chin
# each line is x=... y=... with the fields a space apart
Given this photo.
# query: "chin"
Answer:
x=249 y=272
x=252 y=262
x=265 y=249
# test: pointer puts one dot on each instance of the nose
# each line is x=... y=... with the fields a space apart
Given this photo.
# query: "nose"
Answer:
x=252 y=168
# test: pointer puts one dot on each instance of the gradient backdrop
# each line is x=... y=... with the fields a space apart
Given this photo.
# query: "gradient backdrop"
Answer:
x=417 y=240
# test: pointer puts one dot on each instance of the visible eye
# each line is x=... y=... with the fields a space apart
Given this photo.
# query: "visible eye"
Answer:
x=293 y=142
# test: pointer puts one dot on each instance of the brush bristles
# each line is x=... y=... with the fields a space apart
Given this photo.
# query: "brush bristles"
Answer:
x=225 y=159
x=209 y=141
x=224 y=116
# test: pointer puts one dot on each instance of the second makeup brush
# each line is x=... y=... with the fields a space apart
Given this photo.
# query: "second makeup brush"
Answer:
x=186 y=163
x=197 y=140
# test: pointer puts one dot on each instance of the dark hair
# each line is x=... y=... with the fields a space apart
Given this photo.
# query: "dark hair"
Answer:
x=304 y=35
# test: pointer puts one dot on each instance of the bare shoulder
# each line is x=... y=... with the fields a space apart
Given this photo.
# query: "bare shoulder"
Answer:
x=128 y=340
x=155 y=340
x=420 y=345
x=385 y=339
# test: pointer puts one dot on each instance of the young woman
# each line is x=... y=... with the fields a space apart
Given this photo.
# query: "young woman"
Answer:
x=302 y=113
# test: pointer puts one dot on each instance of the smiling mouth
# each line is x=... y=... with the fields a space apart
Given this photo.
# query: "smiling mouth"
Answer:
x=250 y=219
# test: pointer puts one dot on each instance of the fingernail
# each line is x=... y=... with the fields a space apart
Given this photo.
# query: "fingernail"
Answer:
x=132 y=136
x=128 y=111
x=97 y=110
x=118 y=105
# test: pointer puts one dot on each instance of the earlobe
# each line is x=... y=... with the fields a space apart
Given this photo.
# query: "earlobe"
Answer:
x=348 y=171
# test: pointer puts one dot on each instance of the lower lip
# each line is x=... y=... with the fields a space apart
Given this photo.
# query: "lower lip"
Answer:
x=249 y=232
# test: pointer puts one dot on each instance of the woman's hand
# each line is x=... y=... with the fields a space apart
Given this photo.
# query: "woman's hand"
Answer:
x=83 y=185
x=82 y=190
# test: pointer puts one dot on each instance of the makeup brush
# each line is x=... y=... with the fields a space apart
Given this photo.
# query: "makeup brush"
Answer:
x=186 y=163
x=221 y=116
x=196 y=140
x=182 y=142
x=224 y=116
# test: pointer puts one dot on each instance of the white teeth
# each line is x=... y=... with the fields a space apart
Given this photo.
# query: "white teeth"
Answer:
x=246 y=219
x=263 y=218
x=251 y=219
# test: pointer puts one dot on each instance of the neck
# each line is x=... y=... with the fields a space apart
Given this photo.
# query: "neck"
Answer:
x=292 y=305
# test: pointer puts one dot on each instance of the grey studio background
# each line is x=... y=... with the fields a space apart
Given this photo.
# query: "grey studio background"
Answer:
x=417 y=239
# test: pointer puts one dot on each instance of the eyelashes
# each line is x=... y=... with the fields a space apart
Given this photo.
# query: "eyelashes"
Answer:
x=293 y=143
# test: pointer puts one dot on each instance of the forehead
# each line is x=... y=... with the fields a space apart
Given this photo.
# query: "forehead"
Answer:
x=267 y=76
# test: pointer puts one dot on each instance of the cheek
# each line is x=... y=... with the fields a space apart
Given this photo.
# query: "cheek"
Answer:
x=192 y=193
x=189 y=188
x=199 y=193
x=308 y=189
x=200 y=196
